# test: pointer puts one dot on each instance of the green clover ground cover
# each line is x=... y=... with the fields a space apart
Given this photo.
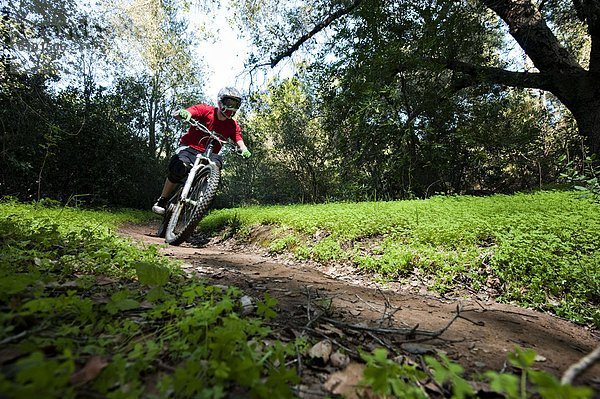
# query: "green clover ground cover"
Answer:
x=87 y=314
x=84 y=313
x=540 y=250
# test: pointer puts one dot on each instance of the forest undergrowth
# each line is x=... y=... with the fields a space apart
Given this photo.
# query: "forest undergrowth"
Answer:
x=537 y=250
x=86 y=313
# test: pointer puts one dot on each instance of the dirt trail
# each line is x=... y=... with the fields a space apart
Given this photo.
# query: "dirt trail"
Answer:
x=479 y=339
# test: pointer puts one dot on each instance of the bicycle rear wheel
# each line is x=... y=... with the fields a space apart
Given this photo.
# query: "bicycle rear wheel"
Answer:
x=187 y=213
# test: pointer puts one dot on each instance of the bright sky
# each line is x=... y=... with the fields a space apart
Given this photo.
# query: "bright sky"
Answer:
x=224 y=58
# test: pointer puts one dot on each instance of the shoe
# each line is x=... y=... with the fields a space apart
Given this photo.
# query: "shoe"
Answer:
x=159 y=206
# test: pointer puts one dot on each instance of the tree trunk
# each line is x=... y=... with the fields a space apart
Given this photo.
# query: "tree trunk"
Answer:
x=581 y=95
x=588 y=123
x=576 y=88
x=151 y=128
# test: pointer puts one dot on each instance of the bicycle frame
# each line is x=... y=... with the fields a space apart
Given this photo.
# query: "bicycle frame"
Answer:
x=205 y=156
x=192 y=199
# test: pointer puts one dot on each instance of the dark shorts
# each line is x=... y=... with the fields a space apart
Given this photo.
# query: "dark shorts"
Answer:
x=182 y=161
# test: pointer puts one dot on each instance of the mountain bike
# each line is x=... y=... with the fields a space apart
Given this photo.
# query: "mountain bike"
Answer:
x=191 y=200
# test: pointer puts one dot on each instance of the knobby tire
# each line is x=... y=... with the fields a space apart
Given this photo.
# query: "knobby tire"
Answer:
x=162 y=229
x=185 y=217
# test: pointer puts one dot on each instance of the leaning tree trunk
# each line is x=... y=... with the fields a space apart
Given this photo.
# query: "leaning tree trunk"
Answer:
x=588 y=123
x=560 y=72
x=581 y=95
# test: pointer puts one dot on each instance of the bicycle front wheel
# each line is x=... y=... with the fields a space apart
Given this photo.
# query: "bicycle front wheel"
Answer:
x=188 y=212
x=162 y=229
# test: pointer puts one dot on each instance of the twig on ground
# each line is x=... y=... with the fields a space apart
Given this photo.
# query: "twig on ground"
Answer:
x=480 y=305
x=299 y=358
x=484 y=309
x=308 y=307
x=310 y=392
x=583 y=364
x=477 y=323
x=14 y=337
x=165 y=367
x=368 y=304
x=388 y=305
x=382 y=343
x=409 y=332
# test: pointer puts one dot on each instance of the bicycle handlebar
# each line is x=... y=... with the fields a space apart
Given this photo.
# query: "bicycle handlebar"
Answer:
x=214 y=135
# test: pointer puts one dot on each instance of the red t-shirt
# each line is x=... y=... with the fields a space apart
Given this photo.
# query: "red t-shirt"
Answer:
x=207 y=115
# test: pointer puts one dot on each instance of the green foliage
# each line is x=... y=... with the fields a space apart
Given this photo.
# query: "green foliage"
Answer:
x=288 y=143
x=584 y=177
x=284 y=244
x=38 y=376
x=79 y=292
x=388 y=379
x=327 y=249
x=542 y=383
x=539 y=250
x=394 y=116
x=266 y=308
x=76 y=146
x=152 y=274
x=446 y=371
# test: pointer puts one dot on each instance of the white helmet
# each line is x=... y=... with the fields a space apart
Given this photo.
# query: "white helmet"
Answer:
x=229 y=101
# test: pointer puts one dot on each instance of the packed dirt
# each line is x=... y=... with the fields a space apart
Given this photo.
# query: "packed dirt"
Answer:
x=344 y=311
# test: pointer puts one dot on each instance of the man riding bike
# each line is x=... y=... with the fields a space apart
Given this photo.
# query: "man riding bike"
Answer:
x=218 y=119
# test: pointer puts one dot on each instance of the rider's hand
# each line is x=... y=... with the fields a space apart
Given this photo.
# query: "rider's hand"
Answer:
x=246 y=153
x=185 y=115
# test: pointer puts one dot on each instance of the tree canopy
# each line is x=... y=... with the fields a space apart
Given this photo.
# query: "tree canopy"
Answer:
x=389 y=99
x=464 y=38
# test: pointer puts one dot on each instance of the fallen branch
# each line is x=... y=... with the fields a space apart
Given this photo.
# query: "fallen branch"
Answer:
x=382 y=343
x=484 y=309
x=388 y=305
x=579 y=367
x=384 y=314
x=14 y=338
x=409 y=332
x=476 y=322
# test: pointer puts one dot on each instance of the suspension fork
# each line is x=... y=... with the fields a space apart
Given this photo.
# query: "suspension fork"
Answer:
x=197 y=166
x=191 y=175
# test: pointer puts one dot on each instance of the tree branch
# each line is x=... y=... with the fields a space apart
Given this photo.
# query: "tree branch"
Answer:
x=319 y=27
x=582 y=365
x=474 y=74
x=526 y=24
x=589 y=12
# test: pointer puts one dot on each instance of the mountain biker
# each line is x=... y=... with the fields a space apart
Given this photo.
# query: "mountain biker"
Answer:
x=218 y=119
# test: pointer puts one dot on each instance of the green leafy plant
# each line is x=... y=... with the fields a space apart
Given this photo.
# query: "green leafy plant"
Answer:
x=389 y=379
x=287 y=243
x=447 y=372
x=80 y=292
x=266 y=308
x=531 y=381
x=584 y=178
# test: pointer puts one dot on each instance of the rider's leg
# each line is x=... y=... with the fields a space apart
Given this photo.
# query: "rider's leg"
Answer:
x=167 y=188
x=179 y=166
